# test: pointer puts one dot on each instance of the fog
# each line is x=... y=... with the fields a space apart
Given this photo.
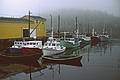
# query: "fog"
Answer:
x=96 y=13
x=18 y=8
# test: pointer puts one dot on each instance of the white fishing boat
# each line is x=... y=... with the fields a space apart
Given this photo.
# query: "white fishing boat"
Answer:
x=52 y=46
x=104 y=36
x=27 y=46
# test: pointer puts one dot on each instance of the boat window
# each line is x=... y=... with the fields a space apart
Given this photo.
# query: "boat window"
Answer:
x=58 y=44
x=27 y=43
x=24 y=43
x=61 y=39
x=72 y=39
x=49 y=44
x=45 y=44
x=34 y=43
x=20 y=43
x=37 y=43
x=53 y=44
x=67 y=39
x=30 y=43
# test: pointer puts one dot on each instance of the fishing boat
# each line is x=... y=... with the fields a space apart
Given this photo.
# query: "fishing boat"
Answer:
x=104 y=36
x=7 y=57
x=69 y=57
x=95 y=38
x=71 y=42
x=15 y=48
x=84 y=39
x=52 y=46
x=73 y=60
x=26 y=47
x=32 y=47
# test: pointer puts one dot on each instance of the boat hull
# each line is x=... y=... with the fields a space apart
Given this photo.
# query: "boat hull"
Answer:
x=95 y=40
x=30 y=50
x=14 y=50
x=48 y=52
x=18 y=58
x=103 y=38
x=74 y=61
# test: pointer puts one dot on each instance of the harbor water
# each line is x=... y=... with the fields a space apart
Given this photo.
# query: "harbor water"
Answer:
x=99 y=62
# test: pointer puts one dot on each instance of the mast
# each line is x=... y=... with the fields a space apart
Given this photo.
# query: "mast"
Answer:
x=88 y=29
x=51 y=27
x=76 y=27
x=93 y=32
x=29 y=23
x=104 y=29
x=58 y=26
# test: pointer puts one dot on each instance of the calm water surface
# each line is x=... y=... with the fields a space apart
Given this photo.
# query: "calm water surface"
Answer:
x=100 y=62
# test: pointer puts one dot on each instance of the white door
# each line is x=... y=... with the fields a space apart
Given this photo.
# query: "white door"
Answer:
x=33 y=35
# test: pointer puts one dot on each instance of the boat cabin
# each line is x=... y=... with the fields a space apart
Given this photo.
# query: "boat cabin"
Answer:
x=34 y=44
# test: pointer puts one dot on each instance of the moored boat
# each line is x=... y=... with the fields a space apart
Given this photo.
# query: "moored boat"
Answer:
x=52 y=47
x=32 y=47
x=70 y=43
x=5 y=56
x=104 y=38
x=26 y=47
x=95 y=38
x=73 y=60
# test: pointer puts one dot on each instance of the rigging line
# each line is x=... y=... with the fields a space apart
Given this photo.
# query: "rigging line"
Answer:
x=35 y=28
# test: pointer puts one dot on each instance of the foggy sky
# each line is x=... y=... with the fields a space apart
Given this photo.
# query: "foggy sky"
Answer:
x=20 y=7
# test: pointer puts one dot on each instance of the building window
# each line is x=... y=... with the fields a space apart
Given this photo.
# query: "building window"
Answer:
x=37 y=21
x=26 y=33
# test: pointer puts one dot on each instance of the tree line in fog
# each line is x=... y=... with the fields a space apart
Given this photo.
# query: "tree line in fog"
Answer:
x=86 y=21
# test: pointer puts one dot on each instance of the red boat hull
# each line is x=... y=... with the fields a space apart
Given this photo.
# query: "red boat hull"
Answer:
x=75 y=61
x=31 y=50
x=95 y=40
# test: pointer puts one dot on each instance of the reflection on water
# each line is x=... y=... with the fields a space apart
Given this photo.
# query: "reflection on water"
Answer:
x=100 y=62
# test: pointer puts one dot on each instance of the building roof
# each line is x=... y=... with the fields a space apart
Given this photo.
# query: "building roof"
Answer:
x=34 y=17
x=23 y=19
x=12 y=19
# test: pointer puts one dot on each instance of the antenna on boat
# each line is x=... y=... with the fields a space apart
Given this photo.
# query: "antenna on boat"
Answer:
x=51 y=27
